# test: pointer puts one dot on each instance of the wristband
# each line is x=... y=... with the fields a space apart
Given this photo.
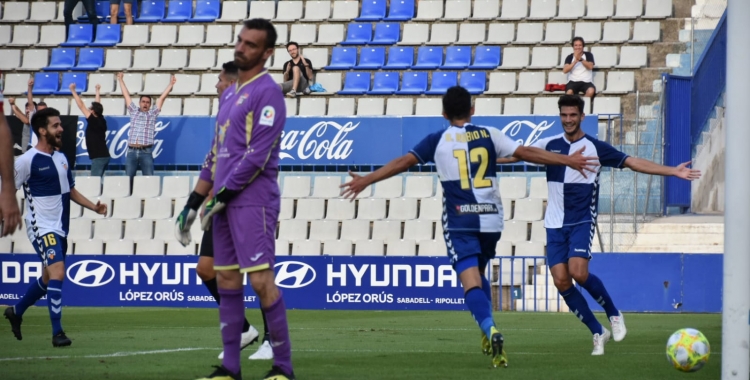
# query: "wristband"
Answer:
x=195 y=201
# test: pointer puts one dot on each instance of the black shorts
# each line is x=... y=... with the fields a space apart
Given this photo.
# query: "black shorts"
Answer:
x=207 y=244
x=579 y=87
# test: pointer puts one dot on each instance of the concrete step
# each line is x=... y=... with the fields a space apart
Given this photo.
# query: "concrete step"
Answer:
x=542 y=292
x=679 y=239
x=682 y=228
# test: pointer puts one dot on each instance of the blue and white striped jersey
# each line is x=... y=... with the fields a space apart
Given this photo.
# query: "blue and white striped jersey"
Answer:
x=465 y=160
x=572 y=198
x=46 y=181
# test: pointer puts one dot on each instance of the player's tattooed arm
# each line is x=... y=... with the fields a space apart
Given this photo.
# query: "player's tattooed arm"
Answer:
x=99 y=208
x=576 y=161
x=359 y=183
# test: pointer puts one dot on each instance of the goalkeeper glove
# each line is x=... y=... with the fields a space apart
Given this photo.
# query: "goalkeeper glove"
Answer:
x=217 y=205
x=187 y=217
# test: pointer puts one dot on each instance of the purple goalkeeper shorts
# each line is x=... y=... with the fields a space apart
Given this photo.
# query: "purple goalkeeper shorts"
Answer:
x=244 y=238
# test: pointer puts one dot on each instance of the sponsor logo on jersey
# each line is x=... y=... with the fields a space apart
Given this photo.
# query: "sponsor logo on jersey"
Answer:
x=477 y=208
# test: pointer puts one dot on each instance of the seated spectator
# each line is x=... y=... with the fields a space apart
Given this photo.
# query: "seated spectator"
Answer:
x=88 y=5
x=298 y=72
x=114 y=10
x=579 y=66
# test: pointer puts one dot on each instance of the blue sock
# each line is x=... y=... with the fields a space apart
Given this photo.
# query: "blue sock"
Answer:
x=480 y=309
x=580 y=308
x=596 y=288
x=36 y=290
x=487 y=289
x=54 y=302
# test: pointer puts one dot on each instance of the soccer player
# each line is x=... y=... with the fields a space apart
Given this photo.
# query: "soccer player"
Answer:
x=571 y=213
x=464 y=155
x=10 y=216
x=48 y=185
x=205 y=269
x=245 y=207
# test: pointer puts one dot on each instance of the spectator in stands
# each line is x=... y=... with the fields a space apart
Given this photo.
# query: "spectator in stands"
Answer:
x=114 y=9
x=298 y=72
x=142 y=129
x=96 y=132
x=28 y=139
x=89 y=5
x=579 y=66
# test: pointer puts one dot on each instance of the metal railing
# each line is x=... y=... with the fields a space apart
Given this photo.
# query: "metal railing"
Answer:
x=516 y=279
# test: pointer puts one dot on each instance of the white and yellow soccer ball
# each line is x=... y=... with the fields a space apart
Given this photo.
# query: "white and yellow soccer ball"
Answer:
x=688 y=350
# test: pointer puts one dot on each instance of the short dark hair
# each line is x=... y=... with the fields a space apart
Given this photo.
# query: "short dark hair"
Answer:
x=34 y=103
x=230 y=68
x=98 y=108
x=570 y=101
x=41 y=118
x=457 y=103
x=263 y=24
x=40 y=104
x=291 y=43
x=146 y=96
x=577 y=38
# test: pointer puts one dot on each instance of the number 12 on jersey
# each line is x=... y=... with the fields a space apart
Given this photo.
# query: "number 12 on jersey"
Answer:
x=478 y=155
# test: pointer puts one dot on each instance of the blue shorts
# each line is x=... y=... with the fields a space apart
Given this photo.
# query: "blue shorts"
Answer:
x=570 y=241
x=464 y=244
x=53 y=248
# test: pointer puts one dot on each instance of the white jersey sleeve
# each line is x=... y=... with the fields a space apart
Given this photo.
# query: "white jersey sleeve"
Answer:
x=504 y=145
x=22 y=169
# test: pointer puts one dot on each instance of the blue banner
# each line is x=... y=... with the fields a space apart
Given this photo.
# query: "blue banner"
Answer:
x=184 y=140
x=324 y=282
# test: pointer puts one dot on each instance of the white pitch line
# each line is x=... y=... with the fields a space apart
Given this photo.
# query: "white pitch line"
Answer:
x=356 y=351
x=114 y=355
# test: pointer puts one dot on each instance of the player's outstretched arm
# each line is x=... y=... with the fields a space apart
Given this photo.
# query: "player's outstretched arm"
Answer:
x=11 y=216
x=576 y=161
x=507 y=160
x=77 y=197
x=359 y=183
x=645 y=166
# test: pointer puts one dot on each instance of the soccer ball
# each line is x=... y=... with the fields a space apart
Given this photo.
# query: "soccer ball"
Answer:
x=688 y=350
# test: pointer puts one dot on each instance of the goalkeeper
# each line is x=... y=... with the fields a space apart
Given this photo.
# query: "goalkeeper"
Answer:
x=205 y=269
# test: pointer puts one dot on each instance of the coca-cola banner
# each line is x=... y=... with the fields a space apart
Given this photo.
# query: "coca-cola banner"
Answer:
x=317 y=141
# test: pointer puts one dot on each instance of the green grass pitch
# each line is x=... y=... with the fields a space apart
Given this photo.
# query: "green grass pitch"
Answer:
x=160 y=343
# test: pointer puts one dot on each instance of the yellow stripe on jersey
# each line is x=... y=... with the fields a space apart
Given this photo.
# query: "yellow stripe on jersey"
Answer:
x=249 y=128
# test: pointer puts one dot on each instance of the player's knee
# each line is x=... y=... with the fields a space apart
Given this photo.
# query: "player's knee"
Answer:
x=205 y=272
x=56 y=272
x=562 y=283
x=579 y=274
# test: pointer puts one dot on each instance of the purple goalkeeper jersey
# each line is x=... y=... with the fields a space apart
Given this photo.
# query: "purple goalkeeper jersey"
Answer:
x=249 y=125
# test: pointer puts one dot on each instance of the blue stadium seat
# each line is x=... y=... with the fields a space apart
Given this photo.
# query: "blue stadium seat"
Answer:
x=401 y=10
x=474 y=81
x=358 y=34
x=385 y=83
x=206 y=11
x=80 y=79
x=413 y=83
x=107 y=35
x=441 y=82
x=62 y=59
x=371 y=58
x=79 y=35
x=400 y=58
x=46 y=83
x=486 y=58
x=372 y=10
x=386 y=33
x=102 y=9
x=89 y=59
x=121 y=14
x=343 y=58
x=457 y=57
x=152 y=11
x=429 y=58
x=356 y=84
x=179 y=11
